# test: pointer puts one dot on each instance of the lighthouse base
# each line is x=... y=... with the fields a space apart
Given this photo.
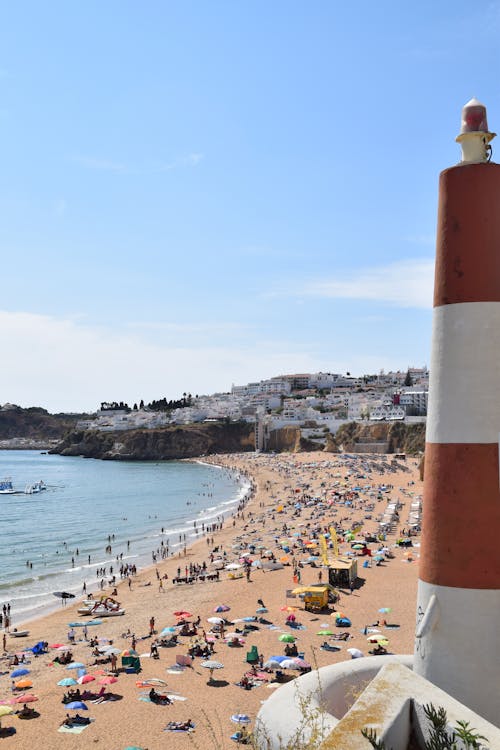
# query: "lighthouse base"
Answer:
x=459 y=650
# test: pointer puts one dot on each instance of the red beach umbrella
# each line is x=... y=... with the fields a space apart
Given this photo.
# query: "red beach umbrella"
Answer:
x=182 y=613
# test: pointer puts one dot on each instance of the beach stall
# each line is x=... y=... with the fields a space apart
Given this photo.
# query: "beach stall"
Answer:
x=316 y=597
x=343 y=572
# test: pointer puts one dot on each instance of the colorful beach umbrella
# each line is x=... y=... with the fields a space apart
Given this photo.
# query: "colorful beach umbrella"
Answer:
x=19 y=672
x=75 y=665
x=23 y=684
x=222 y=608
x=6 y=710
x=77 y=706
x=182 y=613
x=29 y=698
x=108 y=680
x=384 y=610
x=324 y=632
x=67 y=682
x=241 y=718
x=287 y=638
x=85 y=678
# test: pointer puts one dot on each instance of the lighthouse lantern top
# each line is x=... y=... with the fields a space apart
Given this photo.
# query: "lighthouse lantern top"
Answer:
x=474 y=118
x=474 y=136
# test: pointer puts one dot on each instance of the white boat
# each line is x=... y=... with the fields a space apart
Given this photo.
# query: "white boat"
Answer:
x=33 y=489
x=6 y=487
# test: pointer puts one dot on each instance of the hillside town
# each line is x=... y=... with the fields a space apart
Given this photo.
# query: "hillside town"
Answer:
x=314 y=402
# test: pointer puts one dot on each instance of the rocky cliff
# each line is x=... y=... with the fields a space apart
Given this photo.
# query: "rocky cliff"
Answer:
x=173 y=442
x=398 y=436
x=34 y=423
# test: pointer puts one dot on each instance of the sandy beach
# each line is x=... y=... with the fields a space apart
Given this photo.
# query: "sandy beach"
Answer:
x=322 y=484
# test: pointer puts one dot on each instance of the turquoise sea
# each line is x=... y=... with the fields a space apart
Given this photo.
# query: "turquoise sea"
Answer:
x=87 y=501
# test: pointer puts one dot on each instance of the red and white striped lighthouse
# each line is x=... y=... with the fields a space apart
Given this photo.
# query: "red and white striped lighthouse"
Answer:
x=457 y=644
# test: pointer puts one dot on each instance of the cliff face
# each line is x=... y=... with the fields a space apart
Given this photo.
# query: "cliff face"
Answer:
x=398 y=436
x=176 y=442
x=34 y=423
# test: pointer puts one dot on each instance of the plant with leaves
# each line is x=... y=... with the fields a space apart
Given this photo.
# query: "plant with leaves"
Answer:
x=441 y=736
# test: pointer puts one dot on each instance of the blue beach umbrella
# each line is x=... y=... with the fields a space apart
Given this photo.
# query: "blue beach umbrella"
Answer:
x=249 y=619
x=67 y=682
x=77 y=706
x=75 y=665
x=261 y=610
x=19 y=672
x=241 y=718
x=279 y=659
x=168 y=631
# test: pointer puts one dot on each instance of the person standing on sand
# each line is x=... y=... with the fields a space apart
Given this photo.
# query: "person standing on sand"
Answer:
x=152 y=626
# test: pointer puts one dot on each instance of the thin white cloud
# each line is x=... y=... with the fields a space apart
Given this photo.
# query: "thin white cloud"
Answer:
x=60 y=206
x=93 y=162
x=108 y=165
x=63 y=365
x=406 y=283
x=188 y=328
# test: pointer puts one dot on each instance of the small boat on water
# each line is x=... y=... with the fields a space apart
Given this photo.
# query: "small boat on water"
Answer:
x=105 y=607
x=33 y=489
x=6 y=487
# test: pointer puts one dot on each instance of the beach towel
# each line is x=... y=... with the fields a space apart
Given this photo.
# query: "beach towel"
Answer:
x=175 y=729
x=75 y=729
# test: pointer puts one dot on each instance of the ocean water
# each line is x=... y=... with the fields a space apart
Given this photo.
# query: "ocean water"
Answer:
x=86 y=501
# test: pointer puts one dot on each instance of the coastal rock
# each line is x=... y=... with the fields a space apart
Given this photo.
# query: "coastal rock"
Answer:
x=173 y=442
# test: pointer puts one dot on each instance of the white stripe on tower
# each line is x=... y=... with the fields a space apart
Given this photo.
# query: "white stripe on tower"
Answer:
x=458 y=612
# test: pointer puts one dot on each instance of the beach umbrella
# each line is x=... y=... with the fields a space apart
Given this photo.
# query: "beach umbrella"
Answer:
x=302 y=663
x=57 y=645
x=108 y=680
x=250 y=618
x=257 y=564
x=85 y=678
x=23 y=684
x=75 y=665
x=215 y=620
x=379 y=558
x=358 y=546
x=29 y=698
x=169 y=630
x=222 y=608
x=384 y=610
x=129 y=652
x=287 y=638
x=6 y=710
x=211 y=665
x=290 y=664
x=355 y=653
x=324 y=632
x=19 y=672
x=111 y=650
x=77 y=706
x=233 y=566
x=241 y=718
x=67 y=682
x=279 y=659
x=261 y=611
x=272 y=664
x=182 y=613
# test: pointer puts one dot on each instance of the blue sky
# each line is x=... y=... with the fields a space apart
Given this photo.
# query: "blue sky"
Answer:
x=199 y=193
